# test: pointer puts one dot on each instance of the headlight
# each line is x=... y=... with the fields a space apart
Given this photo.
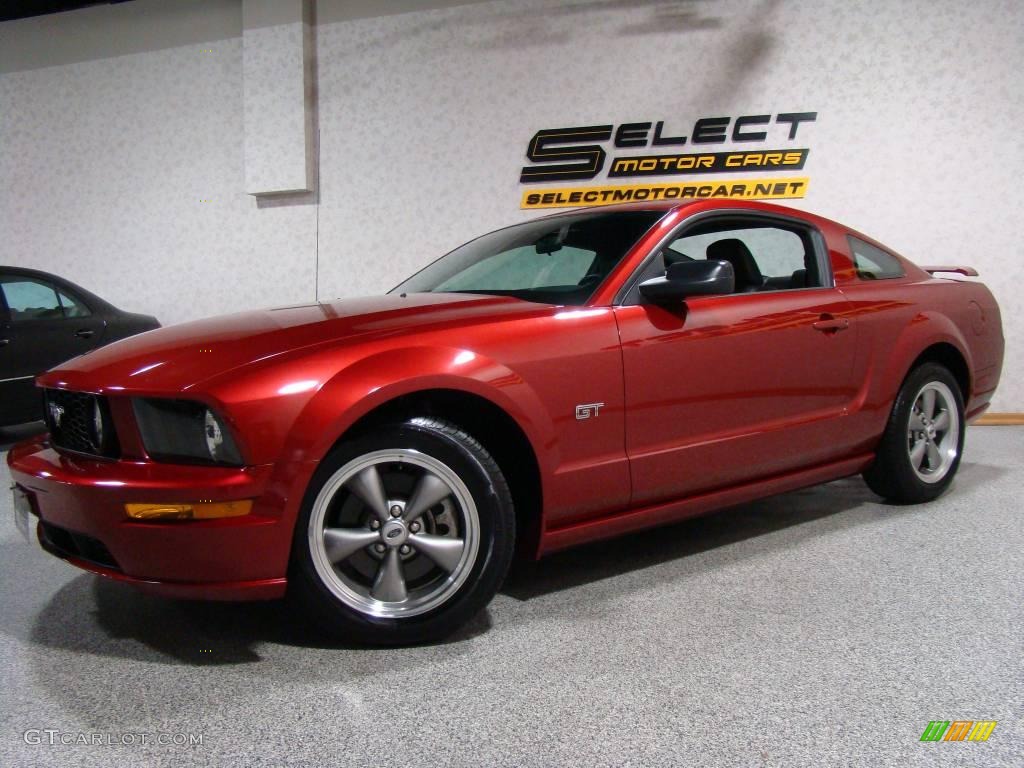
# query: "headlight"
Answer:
x=184 y=430
x=214 y=434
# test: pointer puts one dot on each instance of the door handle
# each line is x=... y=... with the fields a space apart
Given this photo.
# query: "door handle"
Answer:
x=4 y=342
x=829 y=324
x=85 y=333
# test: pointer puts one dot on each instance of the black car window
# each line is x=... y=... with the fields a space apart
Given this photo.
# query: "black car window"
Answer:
x=30 y=299
x=72 y=307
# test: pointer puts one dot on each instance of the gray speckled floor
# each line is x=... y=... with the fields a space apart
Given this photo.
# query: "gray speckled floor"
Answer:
x=819 y=628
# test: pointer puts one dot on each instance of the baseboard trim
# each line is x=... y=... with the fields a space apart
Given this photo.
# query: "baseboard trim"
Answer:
x=1000 y=419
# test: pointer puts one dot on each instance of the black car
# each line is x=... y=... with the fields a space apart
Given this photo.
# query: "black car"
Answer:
x=45 y=320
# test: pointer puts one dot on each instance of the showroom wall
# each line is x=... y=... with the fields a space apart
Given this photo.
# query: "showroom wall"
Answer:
x=122 y=147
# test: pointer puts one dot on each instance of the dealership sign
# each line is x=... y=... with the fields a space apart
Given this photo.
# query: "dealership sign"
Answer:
x=581 y=154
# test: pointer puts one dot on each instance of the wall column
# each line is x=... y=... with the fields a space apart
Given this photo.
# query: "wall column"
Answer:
x=277 y=71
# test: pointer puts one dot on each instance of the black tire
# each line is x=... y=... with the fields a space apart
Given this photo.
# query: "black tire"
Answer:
x=335 y=602
x=892 y=475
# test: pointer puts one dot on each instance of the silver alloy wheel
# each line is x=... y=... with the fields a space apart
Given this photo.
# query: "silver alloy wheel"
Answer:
x=933 y=432
x=394 y=533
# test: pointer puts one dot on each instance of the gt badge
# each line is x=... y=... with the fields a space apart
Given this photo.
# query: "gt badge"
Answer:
x=587 y=410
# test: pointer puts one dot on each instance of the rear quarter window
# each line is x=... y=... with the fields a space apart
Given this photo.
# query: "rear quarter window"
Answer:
x=873 y=263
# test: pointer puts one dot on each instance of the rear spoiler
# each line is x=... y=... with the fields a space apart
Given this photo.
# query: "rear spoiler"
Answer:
x=966 y=271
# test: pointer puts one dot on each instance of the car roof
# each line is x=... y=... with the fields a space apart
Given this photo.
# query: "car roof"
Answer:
x=657 y=205
x=666 y=206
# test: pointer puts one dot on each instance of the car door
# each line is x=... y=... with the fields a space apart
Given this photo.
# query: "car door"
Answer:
x=728 y=389
x=43 y=325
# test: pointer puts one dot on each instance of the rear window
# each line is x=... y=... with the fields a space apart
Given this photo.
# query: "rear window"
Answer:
x=873 y=263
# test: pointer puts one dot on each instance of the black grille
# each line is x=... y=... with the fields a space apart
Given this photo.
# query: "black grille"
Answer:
x=71 y=544
x=71 y=419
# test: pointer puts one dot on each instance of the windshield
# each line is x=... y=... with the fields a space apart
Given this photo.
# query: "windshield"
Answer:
x=560 y=260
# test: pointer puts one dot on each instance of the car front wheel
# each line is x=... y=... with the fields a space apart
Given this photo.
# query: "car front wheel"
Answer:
x=405 y=534
x=920 y=451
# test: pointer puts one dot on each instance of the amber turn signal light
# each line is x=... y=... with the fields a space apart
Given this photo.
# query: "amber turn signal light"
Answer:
x=200 y=510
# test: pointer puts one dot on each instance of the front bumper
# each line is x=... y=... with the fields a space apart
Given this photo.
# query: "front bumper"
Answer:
x=80 y=506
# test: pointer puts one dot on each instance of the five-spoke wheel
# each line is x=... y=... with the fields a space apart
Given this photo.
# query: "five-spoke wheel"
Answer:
x=406 y=532
x=920 y=450
x=933 y=432
x=393 y=532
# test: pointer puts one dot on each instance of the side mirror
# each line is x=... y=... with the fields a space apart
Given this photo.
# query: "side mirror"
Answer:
x=690 y=278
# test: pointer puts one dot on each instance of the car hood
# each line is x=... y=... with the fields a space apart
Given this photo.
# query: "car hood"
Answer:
x=179 y=357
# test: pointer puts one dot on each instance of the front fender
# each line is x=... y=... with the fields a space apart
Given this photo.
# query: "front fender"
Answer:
x=379 y=378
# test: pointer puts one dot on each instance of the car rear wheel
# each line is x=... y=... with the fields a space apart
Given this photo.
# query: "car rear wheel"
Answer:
x=920 y=451
x=405 y=534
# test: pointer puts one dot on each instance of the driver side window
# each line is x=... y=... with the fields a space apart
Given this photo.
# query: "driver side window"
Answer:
x=765 y=256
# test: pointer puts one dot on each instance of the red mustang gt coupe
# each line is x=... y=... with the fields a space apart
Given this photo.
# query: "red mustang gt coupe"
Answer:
x=567 y=379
